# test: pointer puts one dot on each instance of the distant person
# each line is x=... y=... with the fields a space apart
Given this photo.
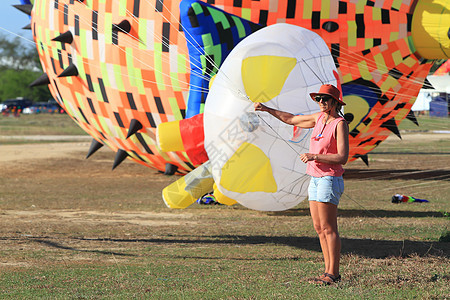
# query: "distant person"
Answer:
x=328 y=151
x=5 y=112
x=17 y=110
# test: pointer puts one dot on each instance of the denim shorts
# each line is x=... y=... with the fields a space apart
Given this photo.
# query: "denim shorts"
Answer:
x=326 y=189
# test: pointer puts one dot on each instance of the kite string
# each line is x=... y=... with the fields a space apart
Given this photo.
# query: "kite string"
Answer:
x=279 y=136
x=17 y=35
x=139 y=60
x=163 y=41
x=313 y=71
x=196 y=46
x=91 y=65
x=198 y=74
x=217 y=67
x=212 y=62
x=158 y=38
x=198 y=88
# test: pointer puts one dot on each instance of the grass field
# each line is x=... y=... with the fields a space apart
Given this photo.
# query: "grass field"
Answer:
x=39 y=124
x=72 y=228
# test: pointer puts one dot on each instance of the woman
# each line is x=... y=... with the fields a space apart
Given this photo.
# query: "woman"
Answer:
x=327 y=153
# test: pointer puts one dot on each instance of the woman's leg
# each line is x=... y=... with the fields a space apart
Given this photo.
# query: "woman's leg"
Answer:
x=314 y=209
x=327 y=214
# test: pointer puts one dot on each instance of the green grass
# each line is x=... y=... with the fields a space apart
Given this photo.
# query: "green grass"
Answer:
x=72 y=228
x=257 y=279
x=39 y=124
x=426 y=123
x=419 y=146
x=245 y=272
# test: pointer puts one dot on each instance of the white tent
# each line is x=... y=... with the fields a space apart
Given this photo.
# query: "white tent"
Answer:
x=423 y=100
x=441 y=84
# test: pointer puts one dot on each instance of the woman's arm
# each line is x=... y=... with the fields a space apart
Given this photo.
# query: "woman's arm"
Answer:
x=342 y=147
x=303 y=121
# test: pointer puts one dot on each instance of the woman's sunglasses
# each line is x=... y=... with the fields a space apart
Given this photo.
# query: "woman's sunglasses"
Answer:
x=322 y=98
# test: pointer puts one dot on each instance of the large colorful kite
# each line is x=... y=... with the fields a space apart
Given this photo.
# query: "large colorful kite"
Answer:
x=121 y=68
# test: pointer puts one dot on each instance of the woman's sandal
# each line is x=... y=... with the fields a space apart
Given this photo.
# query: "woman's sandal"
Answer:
x=317 y=280
x=329 y=279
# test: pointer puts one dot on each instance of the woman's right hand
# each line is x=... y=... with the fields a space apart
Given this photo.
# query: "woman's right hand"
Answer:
x=259 y=106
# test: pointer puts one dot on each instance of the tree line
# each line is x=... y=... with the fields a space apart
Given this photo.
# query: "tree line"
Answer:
x=20 y=66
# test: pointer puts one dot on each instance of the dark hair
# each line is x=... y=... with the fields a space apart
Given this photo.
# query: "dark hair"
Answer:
x=338 y=106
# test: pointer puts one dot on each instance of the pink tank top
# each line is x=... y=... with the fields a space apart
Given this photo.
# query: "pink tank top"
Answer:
x=323 y=141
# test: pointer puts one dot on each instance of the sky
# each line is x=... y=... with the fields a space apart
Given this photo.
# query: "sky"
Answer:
x=13 y=20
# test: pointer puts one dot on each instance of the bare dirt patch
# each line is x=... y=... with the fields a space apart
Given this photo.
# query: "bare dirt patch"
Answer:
x=26 y=152
x=98 y=217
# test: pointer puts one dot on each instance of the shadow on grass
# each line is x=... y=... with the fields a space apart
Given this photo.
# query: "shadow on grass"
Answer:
x=363 y=247
x=60 y=246
x=404 y=174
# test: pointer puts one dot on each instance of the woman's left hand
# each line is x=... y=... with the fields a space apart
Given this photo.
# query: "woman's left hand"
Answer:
x=305 y=157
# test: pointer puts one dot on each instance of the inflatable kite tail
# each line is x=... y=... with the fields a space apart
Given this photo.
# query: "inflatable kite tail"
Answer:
x=221 y=198
x=187 y=189
x=185 y=135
